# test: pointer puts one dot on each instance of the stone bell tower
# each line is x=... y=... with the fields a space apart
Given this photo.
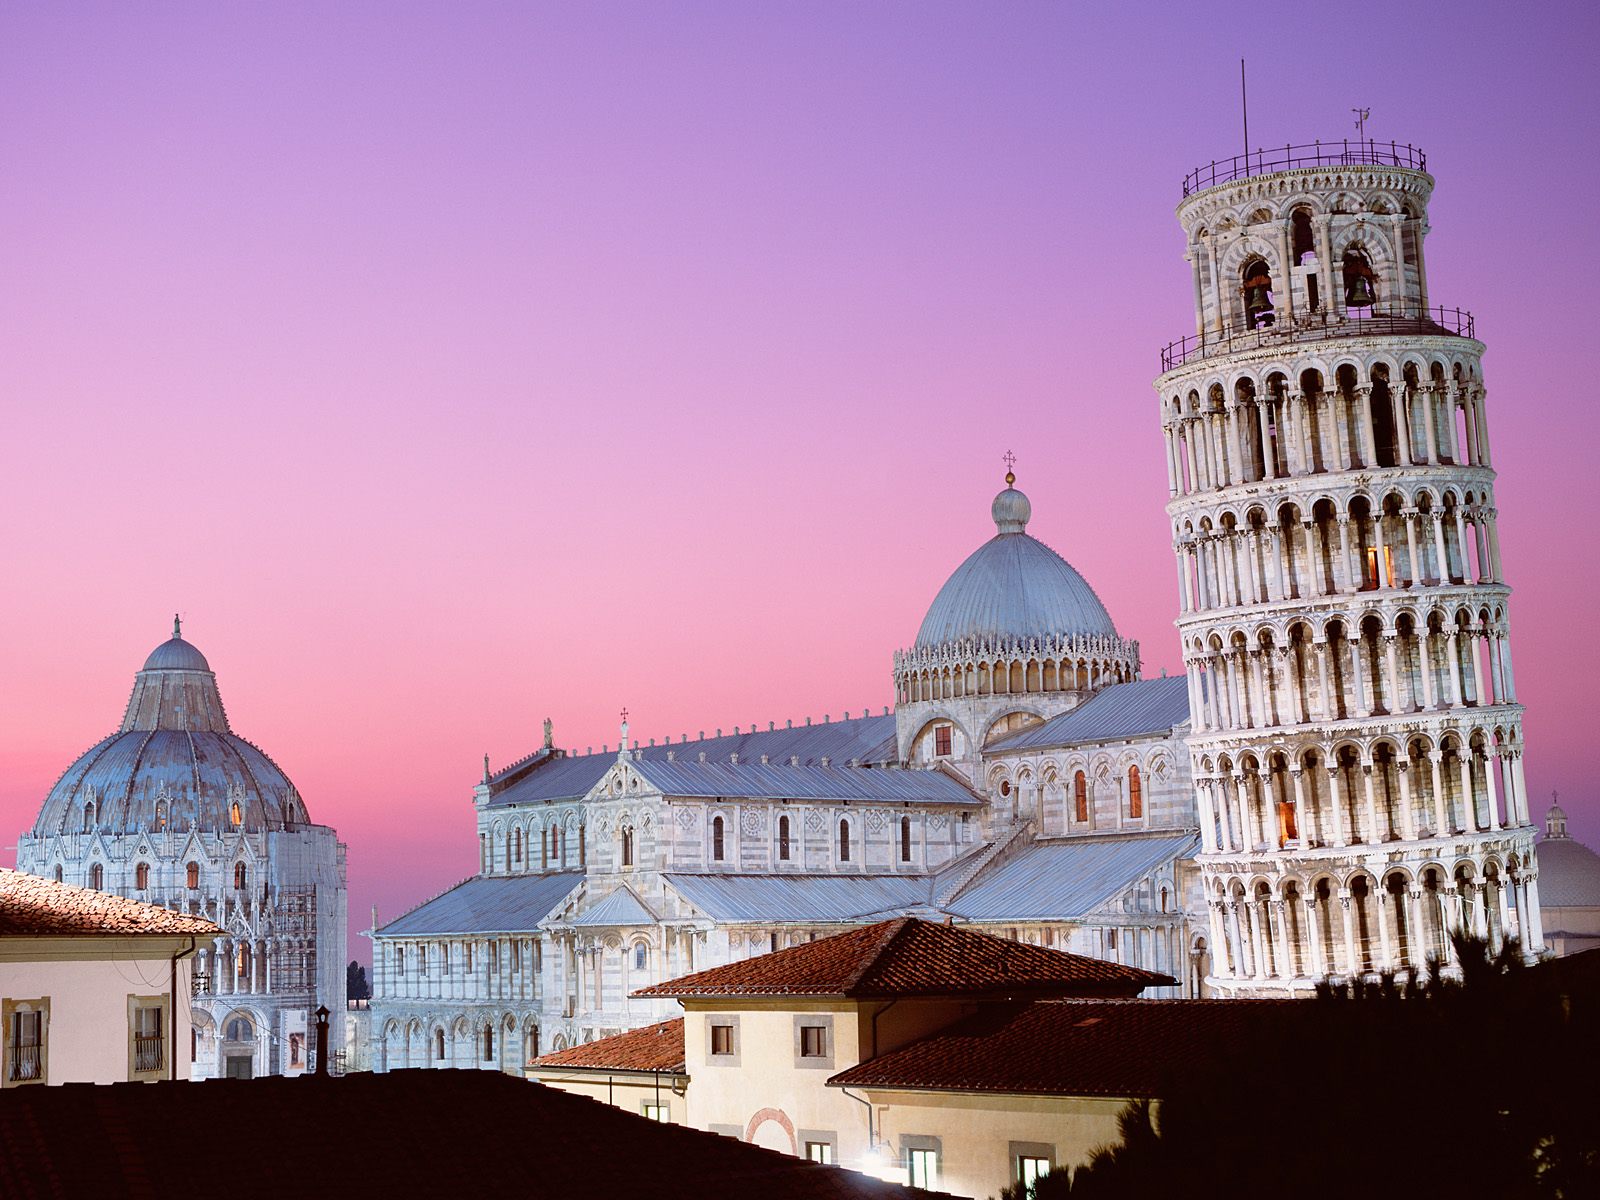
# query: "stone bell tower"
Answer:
x=1357 y=744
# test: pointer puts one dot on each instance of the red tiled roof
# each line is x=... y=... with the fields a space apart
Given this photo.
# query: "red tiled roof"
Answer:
x=31 y=906
x=653 y=1048
x=423 y=1133
x=908 y=957
x=1120 y=1048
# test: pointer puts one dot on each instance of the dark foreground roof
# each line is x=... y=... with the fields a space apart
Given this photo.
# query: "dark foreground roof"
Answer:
x=409 y=1133
x=1114 y=1048
x=908 y=957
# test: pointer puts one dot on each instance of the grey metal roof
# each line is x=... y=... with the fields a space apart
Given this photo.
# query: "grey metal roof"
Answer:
x=175 y=654
x=488 y=904
x=620 y=907
x=770 y=781
x=1014 y=586
x=1569 y=874
x=1064 y=881
x=1123 y=710
x=780 y=899
x=865 y=739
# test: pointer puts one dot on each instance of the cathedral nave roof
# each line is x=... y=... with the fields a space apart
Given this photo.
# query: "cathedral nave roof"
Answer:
x=1067 y=880
x=1123 y=710
x=487 y=904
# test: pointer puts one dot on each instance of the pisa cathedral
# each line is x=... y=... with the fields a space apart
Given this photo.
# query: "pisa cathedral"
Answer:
x=1333 y=784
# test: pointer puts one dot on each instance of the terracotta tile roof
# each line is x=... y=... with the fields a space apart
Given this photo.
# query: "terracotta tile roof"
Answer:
x=421 y=1133
x=31 y=906
x=910 y=957
x=653 y=1048
x=1119 y=1048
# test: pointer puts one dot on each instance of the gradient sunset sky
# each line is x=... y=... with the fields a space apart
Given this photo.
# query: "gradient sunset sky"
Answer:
x=452 y=366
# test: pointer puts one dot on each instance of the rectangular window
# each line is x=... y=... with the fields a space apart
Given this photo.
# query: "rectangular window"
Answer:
x=941 y=739
x=922 y=1167
x=722 y=1039
x=819 y=1152
x=656 y=1112
x=813 y=1041
x=147 y=1043
x=25 y=1046
x=1031 y=1169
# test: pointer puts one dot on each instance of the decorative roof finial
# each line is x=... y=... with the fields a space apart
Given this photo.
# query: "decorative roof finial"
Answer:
x=486 y=768
x=549 y=734
x=1010 y=460
x=622 y=746
x=177 y=626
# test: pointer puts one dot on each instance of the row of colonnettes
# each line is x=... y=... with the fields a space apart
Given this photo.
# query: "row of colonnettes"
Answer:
x=1343 y=612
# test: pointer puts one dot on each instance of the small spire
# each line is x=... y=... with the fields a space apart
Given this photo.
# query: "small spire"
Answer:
x=486 y=768
x=177 y=626
x=622 y=746
x=1010 y=460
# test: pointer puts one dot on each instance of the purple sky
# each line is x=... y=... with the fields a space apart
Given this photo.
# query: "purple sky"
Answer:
x=453 y=366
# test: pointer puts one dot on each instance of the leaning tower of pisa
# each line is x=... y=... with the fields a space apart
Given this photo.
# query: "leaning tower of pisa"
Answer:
x=1356 y=739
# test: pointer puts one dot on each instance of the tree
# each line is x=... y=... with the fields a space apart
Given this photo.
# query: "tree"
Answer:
x=355 y=982
x=1472 y=1082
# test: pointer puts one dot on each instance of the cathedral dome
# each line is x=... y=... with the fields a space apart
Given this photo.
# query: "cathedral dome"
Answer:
x=1014 y=587
x=175 y=763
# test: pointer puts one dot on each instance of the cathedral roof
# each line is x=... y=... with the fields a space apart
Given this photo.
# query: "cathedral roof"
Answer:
x=1123 y=710
x=773 y=781
x=1066 y=881
x=1013 y=587
x=488 y=904
x=175 y=746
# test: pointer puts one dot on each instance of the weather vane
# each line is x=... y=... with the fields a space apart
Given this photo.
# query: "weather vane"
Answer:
x=1361 y=120
x=1010 y=460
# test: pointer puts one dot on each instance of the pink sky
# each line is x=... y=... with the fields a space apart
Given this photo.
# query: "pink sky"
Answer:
x=452 y=366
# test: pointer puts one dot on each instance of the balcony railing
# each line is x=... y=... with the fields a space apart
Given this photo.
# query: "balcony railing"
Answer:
x=1317 y=326
x=27 y=1062
x=1317 y=154
x=147 y=1052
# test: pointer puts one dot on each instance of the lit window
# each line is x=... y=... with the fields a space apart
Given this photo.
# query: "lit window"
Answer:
x=922 y=1167
x=813 y=1041
x=192 y=875
x=161 y=815
x=1080 y=796
x=1135 y=794
x=655 y=1112
x=819 y=1152
x=241 y=877
x=941 y=739
x=1031 y=1169
x=141 y=876
x=722 y=1039
x=236 y=814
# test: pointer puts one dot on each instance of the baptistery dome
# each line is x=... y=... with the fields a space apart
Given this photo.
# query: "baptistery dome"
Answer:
x=1013 y=587
x=174 y=763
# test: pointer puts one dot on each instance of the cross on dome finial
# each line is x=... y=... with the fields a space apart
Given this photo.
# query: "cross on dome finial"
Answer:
x=1010 y=460
x=177 y=626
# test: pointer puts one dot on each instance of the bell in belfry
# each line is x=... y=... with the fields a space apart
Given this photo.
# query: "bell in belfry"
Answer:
x=1258 y=299
x=1358 y=291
